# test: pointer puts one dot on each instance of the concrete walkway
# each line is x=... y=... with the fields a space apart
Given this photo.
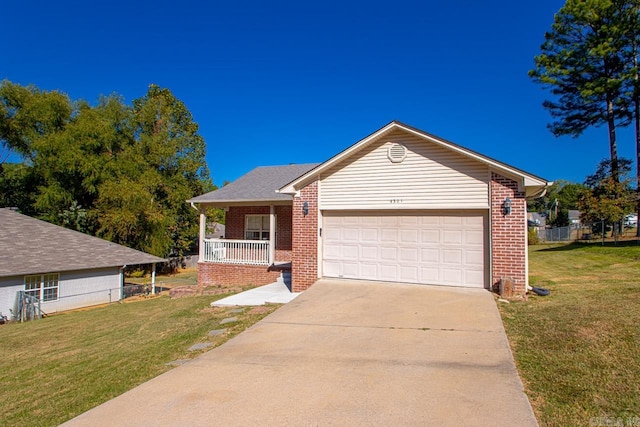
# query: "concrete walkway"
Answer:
x=274 y=293
x=345 y=353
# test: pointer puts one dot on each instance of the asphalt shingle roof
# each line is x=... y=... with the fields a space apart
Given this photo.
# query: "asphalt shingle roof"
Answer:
x=29 y=246
x=259 y=185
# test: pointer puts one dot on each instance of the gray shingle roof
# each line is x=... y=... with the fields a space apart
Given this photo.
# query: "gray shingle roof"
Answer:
x=259 y=185
x=29 y=246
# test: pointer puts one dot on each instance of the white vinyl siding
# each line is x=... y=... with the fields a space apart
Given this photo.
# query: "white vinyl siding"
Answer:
x=430 y=177
x=423 y=248
x=75 y=289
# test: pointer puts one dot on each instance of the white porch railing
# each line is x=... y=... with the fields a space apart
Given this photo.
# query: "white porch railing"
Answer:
x=247 y=252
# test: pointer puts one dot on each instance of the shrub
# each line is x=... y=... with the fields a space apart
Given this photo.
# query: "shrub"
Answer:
x=136 y=273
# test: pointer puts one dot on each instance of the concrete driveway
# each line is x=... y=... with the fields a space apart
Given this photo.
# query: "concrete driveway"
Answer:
x=345 y=353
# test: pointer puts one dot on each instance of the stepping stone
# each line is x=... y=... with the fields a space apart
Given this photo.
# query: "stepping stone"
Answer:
x=216 y=332
x=200 y=346
x=237 y=310
x=228 y=320
x=177 y=362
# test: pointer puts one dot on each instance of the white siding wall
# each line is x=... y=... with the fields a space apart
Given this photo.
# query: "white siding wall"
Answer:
x=76 y=289
x=430 y=177
x=8 y=288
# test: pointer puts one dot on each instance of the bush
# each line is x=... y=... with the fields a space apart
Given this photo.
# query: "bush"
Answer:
x=532 y=236
x=136 y=274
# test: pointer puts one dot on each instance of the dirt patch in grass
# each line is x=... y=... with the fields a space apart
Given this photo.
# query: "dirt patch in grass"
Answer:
x=261 y=309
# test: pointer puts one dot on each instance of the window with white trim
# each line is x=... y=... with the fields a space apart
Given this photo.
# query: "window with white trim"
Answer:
x=256 y=227
x=42 y=286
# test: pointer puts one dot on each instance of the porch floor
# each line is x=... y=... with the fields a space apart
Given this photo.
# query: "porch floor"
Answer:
x=275 y=293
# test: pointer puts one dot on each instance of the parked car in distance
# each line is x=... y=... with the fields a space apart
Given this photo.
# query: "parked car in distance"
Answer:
x=631 y=220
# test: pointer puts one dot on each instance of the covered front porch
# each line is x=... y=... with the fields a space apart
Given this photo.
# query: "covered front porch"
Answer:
x=254 y=235
x=256 y=247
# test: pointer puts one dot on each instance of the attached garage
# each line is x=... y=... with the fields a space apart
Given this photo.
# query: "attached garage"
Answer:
x=402 y=205
x=435 y=248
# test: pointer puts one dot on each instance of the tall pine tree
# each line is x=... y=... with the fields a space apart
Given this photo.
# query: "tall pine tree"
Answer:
x=582 y=64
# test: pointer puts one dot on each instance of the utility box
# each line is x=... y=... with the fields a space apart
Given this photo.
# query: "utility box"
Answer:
x=506 y=287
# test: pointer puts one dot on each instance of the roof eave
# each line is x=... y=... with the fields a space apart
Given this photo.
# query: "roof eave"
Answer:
x=26 y=272
x=529 y=180
x=293 y=187
x=242 y=202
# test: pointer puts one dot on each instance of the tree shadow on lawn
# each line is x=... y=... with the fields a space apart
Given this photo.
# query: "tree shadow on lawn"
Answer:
x=582 y=245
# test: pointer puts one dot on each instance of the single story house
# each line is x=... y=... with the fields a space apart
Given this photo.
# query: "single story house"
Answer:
x=64 y=269
x=400 y=205
x=536 y=219
x=574 y=216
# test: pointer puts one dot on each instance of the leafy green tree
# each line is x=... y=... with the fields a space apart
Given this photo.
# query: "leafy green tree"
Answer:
x=561 y=197
x=605 y=198
x=76 y=218
x=581 y=62
x=75 y=161
x=18 y=186
x=162 y=167
x=113 y=170
x=28 y=115
x=631 y=20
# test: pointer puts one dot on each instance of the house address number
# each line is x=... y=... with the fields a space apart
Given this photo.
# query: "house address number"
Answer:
x=395 y=201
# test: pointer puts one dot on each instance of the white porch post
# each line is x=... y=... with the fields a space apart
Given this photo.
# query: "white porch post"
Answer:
x=272 y=234
x=153 y=278
x=203 y=230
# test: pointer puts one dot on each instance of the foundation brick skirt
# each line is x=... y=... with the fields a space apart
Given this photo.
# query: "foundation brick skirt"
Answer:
x=229 y=275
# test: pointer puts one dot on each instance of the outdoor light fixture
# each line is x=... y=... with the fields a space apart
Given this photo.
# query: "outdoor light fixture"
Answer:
x=305 y=208
x=507 y=206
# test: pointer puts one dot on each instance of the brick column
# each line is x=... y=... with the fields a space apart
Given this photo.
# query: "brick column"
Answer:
x=508 y=233
x=304 y=263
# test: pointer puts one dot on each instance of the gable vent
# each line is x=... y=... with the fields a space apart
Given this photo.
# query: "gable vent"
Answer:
x=397 y=153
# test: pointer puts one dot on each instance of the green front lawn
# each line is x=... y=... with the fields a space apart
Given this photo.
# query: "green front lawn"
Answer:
x=578 y=350
x=56 y=368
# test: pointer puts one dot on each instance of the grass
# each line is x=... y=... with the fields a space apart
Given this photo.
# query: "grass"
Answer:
x=184 y=277
x=56 y=368
x=578 y=350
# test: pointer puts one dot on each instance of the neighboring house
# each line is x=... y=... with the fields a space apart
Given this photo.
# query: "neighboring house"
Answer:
x=536 y=219
x=64 y=269
x=400 y=205
x=574 y=216
x=215 y=230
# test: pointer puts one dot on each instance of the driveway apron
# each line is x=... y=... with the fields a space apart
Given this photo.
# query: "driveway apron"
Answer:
x=350 y=353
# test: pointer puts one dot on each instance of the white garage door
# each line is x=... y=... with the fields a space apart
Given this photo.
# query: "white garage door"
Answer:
x=426 y=249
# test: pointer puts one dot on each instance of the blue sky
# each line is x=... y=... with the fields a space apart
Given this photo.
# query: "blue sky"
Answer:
x=295 y=82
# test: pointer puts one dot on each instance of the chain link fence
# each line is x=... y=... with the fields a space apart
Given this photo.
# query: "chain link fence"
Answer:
x=581 y=232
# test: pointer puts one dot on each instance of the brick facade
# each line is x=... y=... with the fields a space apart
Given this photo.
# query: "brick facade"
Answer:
x=300 y=245
x=304 y=265
x=227 y=275
x=508 y=233
x=235 y=223
x=214 y=274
